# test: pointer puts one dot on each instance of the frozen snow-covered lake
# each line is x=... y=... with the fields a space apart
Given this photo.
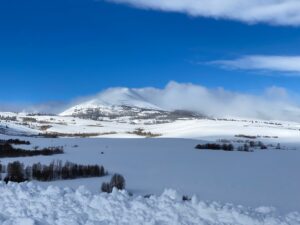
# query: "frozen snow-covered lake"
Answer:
x=268 y=178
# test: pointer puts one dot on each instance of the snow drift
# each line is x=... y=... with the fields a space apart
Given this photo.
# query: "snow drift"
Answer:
x=28 y=204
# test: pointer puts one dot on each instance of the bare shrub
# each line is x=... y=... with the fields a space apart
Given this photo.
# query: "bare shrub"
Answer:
x=142 y=132
x=15 y=172
x=117 y=181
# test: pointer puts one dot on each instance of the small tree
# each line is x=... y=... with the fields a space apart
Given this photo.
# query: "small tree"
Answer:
x=15 y=172
x=246 y=148
x=117 y=181
x=228 y=147
x=252 y=144
x=278 y=146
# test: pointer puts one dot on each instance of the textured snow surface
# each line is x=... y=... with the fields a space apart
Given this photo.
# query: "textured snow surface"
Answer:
x=28 y=204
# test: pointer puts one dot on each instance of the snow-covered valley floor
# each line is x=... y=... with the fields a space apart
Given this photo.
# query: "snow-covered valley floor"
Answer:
x=265 y=182
x=263 y=177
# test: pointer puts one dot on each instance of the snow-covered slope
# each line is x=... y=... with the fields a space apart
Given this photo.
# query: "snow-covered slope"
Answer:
x=154 y=123
x=111 y=98
x=9 y=125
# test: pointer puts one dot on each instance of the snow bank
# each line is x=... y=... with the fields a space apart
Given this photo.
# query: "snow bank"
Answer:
x=29 y=204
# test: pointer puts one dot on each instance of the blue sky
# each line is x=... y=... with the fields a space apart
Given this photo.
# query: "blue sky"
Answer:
x=61 y=49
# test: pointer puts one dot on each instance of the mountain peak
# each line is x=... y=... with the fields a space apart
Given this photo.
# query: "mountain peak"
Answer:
x=111 y=98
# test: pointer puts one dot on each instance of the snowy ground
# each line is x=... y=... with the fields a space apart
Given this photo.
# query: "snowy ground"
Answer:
x=28 y=204
x=253 y=179
x=268 y=178
x=207 y=129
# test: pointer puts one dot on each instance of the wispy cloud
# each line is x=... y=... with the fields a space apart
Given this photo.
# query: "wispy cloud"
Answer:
x=289 y=64
x=278 y=12
x=45 y=107
x=274 y=103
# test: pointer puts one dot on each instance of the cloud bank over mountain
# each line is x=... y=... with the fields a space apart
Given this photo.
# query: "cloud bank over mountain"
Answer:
x=274 y=103
x=277 y=12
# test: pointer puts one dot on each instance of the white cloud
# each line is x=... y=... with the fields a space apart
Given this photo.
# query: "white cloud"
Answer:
x=274 y=103
x=279 y=12
x=290 y=64
x=278 y=92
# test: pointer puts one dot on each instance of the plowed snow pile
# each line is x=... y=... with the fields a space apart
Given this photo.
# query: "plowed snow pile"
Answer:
x=28 y=204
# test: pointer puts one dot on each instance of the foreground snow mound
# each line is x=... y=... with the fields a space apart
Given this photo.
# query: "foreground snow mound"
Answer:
x=30 y=204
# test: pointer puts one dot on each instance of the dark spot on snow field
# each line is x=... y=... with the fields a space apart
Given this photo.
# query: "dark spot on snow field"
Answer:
x=186 y=198
x=148 y=196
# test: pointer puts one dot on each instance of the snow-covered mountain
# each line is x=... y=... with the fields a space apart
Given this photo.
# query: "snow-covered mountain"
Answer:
x=124 y=112
x=110 y=99
x=138 y=102
x=125 y=105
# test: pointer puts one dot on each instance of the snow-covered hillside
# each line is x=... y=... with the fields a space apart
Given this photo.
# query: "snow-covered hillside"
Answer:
x=110 y=99
x=182 y=125
x=155 y=150
x=188 y=97
x=126 y=106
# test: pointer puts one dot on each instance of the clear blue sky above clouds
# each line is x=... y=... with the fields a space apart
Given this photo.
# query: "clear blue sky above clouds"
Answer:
x=61 y=49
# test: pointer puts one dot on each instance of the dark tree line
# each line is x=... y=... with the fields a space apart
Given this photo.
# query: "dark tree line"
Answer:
x=15 y=142
x=8 y=118
x=142 y=132
x=259 y=144
x=249 y=146
x=7 y=150
x=245 y=136
x=213 y=146
x=56 y=170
